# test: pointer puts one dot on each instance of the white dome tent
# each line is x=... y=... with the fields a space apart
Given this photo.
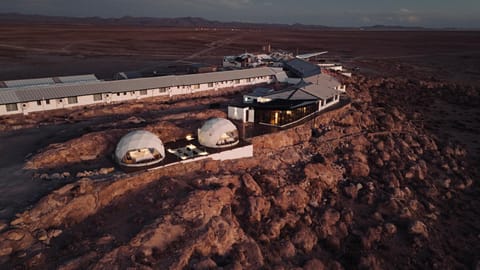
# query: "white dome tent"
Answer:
x=218 y=133
x=138 y=149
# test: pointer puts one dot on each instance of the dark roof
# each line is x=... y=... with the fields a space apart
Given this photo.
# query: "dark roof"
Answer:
x=260 y=92
x=301 y=68
x=283 y=104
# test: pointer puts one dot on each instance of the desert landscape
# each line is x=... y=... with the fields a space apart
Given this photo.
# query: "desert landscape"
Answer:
x=392 y=182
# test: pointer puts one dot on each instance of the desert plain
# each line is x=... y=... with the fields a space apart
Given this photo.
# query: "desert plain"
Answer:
x=392 y=183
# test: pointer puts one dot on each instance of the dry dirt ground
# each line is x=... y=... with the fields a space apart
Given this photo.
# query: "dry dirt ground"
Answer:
x=392 y=183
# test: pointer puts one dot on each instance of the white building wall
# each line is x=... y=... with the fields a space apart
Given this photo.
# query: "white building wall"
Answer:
x=336 y=99
x=236 y=153
x=60 y=103
x=251 y=116
x=237 y=113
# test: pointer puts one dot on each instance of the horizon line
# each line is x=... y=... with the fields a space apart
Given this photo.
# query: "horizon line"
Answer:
x=414 y=27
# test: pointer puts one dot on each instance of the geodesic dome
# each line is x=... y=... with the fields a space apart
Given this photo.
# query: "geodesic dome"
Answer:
x=139 y=148
x=218 y=133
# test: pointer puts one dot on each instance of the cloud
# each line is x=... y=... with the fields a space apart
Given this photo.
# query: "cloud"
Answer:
x=366 y=19
x=408 y=16
x=402 y=16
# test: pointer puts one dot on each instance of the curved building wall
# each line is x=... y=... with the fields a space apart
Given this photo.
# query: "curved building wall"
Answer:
x=139 y=148
x=218 y=133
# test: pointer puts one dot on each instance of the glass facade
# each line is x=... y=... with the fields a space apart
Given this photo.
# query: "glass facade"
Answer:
x=228 y=138
x=278 y=117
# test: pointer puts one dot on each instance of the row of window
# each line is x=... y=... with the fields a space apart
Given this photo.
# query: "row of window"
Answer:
x=98 y=97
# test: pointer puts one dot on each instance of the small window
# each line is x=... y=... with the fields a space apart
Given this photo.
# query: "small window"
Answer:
x=39 y=102
x=143 y=92
x=237 y=81
x=60 y=100
x=196 y=86
x=249 y=80
x=210 y=84
x=124 y=93
x=47 y=101
x=97 y=97
x=162 y=90
x=118 y=94
x=72 y=100
x=12 y=107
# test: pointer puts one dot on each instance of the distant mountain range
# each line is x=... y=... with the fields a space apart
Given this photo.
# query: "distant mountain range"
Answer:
x=178 y=22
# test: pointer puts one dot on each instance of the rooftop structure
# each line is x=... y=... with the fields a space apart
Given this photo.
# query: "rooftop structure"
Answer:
x=256 y=93
x=310 y=55
x=301 y=68
x=49 y=81
x=288 y=106
x=275 y=58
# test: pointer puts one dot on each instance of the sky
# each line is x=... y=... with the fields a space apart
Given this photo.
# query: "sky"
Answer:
x=427 y=13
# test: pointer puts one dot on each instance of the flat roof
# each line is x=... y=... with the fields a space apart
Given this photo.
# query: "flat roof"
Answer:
x=302 y=68
x=50 y=80
x=32 y=93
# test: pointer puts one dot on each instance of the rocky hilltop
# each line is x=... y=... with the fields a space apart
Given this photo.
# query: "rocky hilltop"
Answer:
x=377 y=184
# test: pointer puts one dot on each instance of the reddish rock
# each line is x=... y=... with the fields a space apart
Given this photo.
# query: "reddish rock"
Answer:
x=324 y=173
x=251 y=185
x=330 y=217
x=357 y=168
x=275 y=226
x=286 y=249
x=305 y=239
x=258 y=208
x=248 y=255
x=15 y=235
x=418 y=228
x=390 y=228
x=205 y=264
x=370 y=262
x=202 y=205
x=314 y=264
x=351 y=191
x=292 y=198
x=212 y=166
x=373 y=235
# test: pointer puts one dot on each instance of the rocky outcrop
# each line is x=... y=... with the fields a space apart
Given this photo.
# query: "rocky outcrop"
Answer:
x=373 y=187
x=94 y=146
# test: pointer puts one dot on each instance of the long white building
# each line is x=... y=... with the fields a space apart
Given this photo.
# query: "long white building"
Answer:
x=37 y=98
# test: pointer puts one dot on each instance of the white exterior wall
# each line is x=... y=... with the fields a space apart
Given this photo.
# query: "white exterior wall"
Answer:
x=236 y=153
x=251 y=116
x=123 y=96
x=336 y=99
x=32 y=106
x=237 y=113
x=3 y=110
x=342 y=88
x=81 y=101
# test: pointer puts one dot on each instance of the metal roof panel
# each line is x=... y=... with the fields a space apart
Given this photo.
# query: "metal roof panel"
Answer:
x=31 y=93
